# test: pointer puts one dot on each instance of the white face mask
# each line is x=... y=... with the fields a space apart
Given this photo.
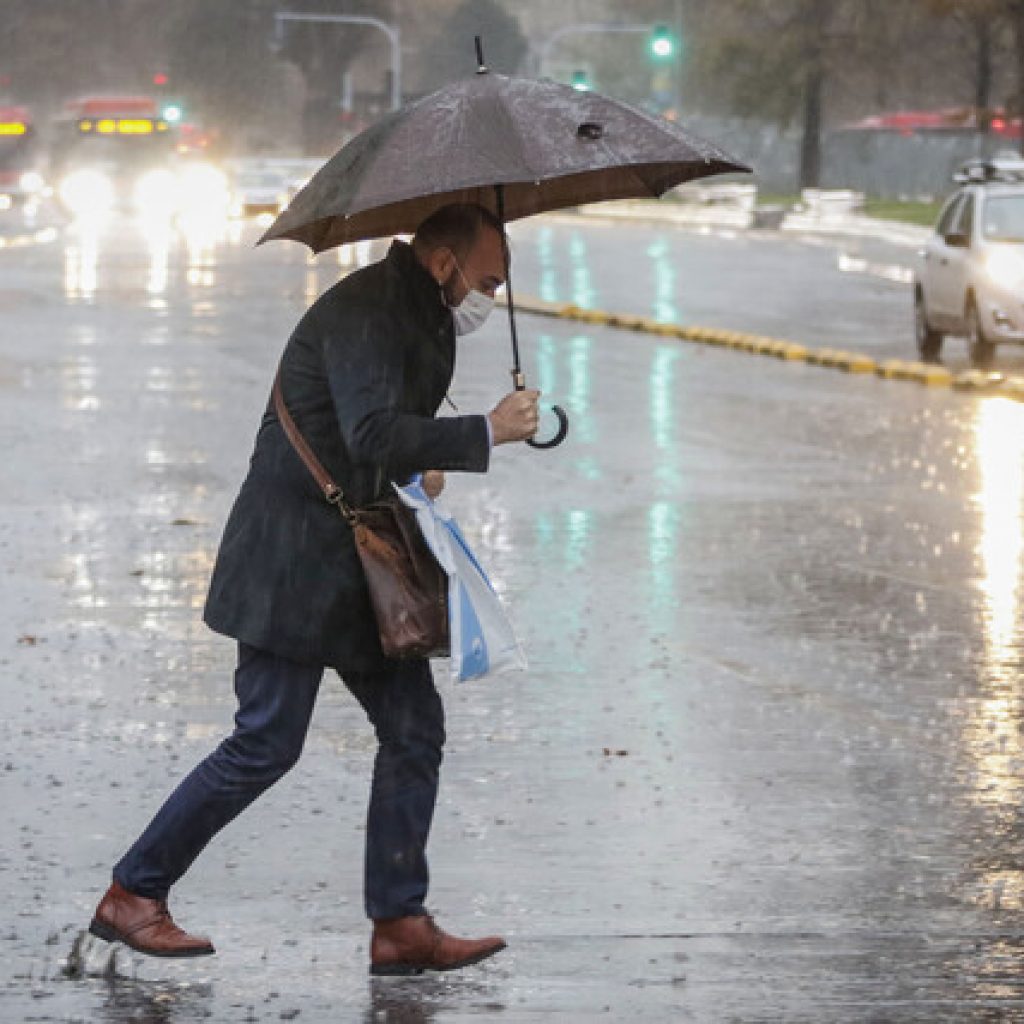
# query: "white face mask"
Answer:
x=471 y=313
x=475 y=308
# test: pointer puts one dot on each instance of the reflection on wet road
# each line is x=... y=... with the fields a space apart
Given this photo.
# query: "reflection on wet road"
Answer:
x=849 y=293
x=766 y=762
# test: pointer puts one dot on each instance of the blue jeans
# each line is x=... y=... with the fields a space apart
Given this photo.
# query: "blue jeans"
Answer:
x=275 y=704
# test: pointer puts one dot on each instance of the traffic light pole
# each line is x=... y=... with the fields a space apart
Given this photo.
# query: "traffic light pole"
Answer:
x=391 y=31
x=585 y=28
x=677 y=101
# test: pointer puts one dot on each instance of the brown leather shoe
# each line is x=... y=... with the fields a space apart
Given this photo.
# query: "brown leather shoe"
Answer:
x=412 y=945
x=145 y=925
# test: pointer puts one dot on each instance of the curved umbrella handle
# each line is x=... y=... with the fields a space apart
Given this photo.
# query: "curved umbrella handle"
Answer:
x=563 y=430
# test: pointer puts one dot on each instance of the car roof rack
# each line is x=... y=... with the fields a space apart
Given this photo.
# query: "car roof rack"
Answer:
x=1006 y=167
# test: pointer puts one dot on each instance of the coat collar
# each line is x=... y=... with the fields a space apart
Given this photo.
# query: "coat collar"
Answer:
x=416 y=282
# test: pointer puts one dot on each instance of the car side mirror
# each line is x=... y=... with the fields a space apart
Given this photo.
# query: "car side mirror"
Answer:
x=958 y=240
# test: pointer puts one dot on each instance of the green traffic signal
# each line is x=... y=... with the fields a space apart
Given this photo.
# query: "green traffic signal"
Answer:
x=580 y=81
x=663 y=46
x=172 y=113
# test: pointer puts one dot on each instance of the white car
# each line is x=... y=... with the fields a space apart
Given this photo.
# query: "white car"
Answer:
x=971 y=278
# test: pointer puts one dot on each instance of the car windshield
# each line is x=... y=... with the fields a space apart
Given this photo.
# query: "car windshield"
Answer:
x=1004 y=218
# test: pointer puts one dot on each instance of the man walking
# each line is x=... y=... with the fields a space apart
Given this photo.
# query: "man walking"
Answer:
x=363 y=375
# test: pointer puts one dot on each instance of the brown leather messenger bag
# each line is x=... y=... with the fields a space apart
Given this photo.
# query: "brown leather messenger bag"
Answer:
x=408 y=588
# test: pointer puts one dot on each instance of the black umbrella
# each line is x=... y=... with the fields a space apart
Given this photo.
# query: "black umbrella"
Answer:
x=516 y=146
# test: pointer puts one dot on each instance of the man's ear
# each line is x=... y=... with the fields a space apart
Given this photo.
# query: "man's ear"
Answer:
x=441 y=264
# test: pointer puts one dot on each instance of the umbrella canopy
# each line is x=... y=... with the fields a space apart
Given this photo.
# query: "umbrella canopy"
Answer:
x=547 y=144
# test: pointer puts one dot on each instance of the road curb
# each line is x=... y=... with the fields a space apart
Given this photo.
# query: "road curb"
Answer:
x=925 y=374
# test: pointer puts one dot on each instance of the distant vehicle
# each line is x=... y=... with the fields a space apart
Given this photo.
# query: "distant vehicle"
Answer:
x=266 y=185
x=964 y=121
x=119 y=152
x=111 y=151
x=258 y=186
x=21 y=168
x=970 y=281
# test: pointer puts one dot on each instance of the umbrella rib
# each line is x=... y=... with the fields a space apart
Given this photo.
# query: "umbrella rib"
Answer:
x=521 y=151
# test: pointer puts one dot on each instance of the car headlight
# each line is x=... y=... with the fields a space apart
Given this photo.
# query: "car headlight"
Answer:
x=31 y=181
x=87 y=192
x=156 y=192
x=1005 y=267
x=204 y=189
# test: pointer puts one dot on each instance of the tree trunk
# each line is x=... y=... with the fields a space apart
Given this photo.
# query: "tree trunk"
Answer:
x=1018 y=39
x=810 y=148
x=983 y=75
x=814 y=87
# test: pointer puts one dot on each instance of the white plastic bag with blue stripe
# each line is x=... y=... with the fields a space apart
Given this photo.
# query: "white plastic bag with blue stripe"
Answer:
x=483 y=641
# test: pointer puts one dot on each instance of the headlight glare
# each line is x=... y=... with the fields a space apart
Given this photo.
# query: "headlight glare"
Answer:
x=156 y=192
x=87 y=192
x=1005 y=267
x=204 y=189
x=32 y=181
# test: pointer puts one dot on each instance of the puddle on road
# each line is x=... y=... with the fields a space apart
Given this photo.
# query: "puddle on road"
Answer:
x=127 y=997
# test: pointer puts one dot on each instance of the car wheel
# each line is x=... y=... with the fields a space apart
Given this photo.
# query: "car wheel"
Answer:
x=981 y=351
x=929 y=342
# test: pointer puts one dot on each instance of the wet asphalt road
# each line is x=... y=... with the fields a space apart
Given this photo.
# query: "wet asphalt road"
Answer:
x=837 y=292
x=765 y=766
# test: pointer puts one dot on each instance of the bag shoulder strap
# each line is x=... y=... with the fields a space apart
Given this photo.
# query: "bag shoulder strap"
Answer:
x=332 y=492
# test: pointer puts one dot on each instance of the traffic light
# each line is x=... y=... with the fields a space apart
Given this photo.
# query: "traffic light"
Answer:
x=171 y=113
x=580 y=81
x=160 y=78
x=662 y=44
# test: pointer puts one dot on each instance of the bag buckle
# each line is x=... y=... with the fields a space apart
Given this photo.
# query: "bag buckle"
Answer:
x=335 y=496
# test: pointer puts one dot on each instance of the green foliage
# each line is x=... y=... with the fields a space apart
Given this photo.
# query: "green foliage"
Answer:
x=923 y=214
x=754 y=54
x=758 y=82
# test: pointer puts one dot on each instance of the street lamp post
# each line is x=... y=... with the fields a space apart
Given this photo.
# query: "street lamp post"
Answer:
x=391 y=31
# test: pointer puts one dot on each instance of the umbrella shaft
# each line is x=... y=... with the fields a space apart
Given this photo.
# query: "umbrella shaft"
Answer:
x=519 y=381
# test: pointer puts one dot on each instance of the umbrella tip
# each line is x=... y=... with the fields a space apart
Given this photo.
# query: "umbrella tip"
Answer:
x=481 y=66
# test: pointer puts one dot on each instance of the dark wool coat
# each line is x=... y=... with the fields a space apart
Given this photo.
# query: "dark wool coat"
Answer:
x=363 y=375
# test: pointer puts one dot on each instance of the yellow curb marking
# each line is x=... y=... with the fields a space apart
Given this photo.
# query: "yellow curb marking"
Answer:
x=926 y=374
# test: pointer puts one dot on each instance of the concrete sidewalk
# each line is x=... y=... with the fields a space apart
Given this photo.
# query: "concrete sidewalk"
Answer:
x=697 y=216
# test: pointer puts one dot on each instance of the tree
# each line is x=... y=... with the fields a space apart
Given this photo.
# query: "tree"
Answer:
x=450 y=54
x=323 y=52
x=1015 y=14
x=812 y=62
x=221 y=65
x=783 y=81
x=52 y=51
x=42 y=56
x=982 y=24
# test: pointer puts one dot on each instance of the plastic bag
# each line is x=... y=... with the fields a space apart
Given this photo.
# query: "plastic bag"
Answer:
x=483 y=641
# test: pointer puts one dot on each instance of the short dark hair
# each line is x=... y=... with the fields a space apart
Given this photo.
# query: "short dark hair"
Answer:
x=457 y=227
